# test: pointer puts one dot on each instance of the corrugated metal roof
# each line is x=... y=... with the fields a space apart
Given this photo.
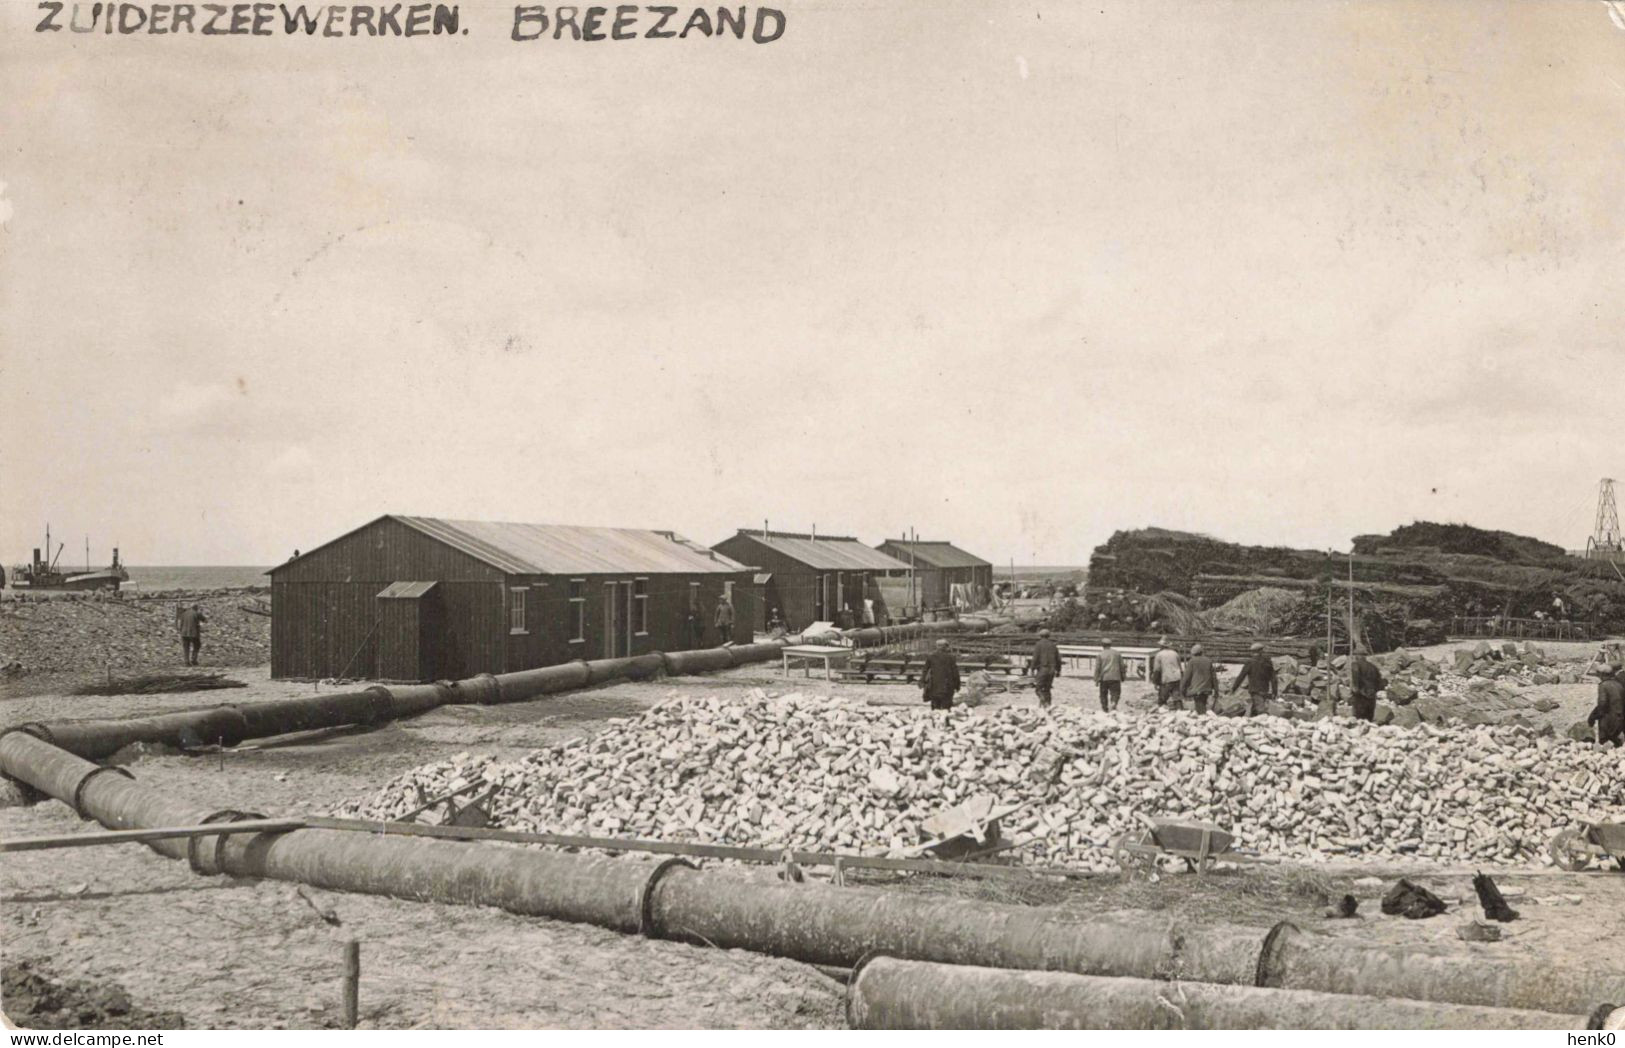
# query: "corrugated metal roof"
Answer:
x=936 y=554
x=407 y=590
x=562 y=549
x=841 y=554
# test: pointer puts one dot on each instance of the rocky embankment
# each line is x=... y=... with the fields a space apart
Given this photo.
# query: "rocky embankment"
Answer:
x=126 y=633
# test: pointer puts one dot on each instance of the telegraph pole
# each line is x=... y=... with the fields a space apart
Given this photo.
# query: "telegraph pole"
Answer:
x=1329 y=640
x=1351 y=602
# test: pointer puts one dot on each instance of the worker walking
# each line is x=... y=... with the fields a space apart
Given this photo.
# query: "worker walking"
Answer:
x=1365 y=680
x=724 y=620
x=1165 y=674
x=1045 y=666
x=939 y=681
x=1608 y=718
x=1109 y=676
x=189 y=622
x=1258 y=673
x=1200 y=682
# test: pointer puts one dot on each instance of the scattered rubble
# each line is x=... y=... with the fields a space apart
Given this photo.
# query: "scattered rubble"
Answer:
x=1490 y=898
x=1480 y=685
x=818 y=773
x=1413 y=901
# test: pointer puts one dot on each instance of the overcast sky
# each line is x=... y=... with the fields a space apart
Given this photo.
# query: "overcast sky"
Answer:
x=1015 y=276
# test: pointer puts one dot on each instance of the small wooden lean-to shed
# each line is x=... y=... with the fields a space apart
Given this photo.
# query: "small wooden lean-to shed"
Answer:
x=408 y=631
x=422 y=598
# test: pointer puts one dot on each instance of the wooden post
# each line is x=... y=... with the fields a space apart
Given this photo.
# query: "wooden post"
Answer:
x=1351 y=602
x=352 y=982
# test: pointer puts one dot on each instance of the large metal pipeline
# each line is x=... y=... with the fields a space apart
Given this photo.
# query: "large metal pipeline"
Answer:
x=890 y=994
x=840 y=926
x=814 y=923
x=1291 y=957
x=606 y=892
x=232 y=724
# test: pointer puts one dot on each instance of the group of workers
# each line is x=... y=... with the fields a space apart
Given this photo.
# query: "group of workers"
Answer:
x=1176 y=678
x=722 y=622
x=1195 y=677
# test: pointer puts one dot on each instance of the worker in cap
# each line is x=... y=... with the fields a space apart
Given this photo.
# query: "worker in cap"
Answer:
x=1045 y=666
x=189 y=622
x=1607 y=720
x=724 y=620
x=1365 y=680
x=1201 y=680
x=1165 y=672
x=939 y=681
x=1258 y=673
x=1109 y=676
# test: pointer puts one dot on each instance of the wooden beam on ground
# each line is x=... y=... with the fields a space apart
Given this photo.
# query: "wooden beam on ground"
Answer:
x=90 y=840
x=710 y=851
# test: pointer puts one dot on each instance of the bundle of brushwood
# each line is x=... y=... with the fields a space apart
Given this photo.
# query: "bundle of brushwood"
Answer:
x=1260 y=611
x=159 y=683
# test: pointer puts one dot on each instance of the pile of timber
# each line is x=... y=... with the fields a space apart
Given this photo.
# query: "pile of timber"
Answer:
x=813 y=773
x=1232 y=647
x=906 y=667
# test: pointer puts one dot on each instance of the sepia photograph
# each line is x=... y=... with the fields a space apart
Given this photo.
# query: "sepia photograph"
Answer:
x=923 y=515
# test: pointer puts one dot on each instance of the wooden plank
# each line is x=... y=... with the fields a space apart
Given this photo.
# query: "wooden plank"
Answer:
x=88 y=840
x=712 y=851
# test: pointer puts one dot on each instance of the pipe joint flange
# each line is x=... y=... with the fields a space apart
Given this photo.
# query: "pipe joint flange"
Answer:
x=1268 y=972
x=733 y=654
x=79 y=788
x=665 y=662
x=646 y=895
x=37 y=729
x=852 y=982
x=1606 y=1017
x=193 y=857
x=381 y=708
x=586 y=668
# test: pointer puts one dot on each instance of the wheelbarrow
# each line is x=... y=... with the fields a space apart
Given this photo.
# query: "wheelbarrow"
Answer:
x=458 y=812
x=969 y=832
x=1200 y=844
x=1576 y=849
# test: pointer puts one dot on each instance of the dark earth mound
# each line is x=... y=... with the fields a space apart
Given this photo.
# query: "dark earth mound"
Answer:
x=33 y=1000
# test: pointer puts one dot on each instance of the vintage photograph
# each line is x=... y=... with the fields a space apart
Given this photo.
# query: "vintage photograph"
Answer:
x=928 y=515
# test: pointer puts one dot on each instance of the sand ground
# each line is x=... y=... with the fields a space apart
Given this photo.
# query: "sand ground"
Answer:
x=249 y=954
